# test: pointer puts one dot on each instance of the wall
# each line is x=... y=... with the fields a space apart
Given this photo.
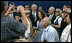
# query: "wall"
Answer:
x=44 y=4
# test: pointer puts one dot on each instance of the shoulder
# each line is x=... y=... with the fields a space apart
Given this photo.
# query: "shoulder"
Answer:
x=60 y=18
x=38 y=21
x=67 y=27
x=4 y=19
x=52 y=29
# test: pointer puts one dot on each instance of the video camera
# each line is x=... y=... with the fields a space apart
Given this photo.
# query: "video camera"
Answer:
x=14 y=8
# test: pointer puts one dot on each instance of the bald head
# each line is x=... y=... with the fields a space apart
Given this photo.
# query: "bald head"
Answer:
x=51 y=10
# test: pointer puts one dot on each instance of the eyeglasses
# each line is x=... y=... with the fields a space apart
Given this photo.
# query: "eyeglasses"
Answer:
x=56 y=11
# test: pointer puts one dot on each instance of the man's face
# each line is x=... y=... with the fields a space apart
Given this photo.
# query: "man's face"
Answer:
x=33 y=8
x=17 y=18
x=44 y=23
x=51 y=11
x=11 y=6
x=26 y=7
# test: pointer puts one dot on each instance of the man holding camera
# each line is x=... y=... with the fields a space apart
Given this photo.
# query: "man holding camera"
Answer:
x=10 y=28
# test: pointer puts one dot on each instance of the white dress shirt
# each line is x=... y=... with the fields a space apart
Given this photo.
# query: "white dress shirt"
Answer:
x=66 y=34
x=59 y=20
x=34 y=13
x=51 y=16
x=50 y=34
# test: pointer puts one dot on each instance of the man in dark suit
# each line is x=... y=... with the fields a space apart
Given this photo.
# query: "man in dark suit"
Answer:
x=33 y=15
x=51 y=14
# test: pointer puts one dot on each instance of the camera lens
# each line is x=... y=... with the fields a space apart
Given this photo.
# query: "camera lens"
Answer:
x=15 y=8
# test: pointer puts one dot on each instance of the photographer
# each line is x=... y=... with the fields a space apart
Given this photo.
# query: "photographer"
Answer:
x=11 y=13
x=10 y=28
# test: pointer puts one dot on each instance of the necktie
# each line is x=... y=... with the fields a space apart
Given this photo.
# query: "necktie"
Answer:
x=33 y=16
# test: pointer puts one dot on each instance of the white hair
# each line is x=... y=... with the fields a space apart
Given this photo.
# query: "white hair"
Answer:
x=52 y=8
x=47 y=20
x=34 y=5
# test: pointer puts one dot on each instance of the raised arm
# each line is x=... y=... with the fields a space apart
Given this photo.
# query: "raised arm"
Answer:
x=24 y=18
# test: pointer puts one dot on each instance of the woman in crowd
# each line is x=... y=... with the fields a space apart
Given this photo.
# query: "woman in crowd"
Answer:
x=57 y=21
x=66 y=34
x=64 y=23
x=40 y=16
x=29 y=29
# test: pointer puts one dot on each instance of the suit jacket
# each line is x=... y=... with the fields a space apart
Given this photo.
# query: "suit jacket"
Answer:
x=34 y=23
x=53 y=18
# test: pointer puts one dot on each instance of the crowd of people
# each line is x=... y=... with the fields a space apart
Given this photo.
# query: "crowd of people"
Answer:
x=26 y=24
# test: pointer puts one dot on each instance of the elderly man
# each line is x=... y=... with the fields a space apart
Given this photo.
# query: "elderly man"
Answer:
x=49 y=33
x=33 y=14
x=51 y=14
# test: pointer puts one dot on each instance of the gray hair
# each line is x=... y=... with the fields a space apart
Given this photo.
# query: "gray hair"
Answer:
x=47 y=20
x=34 y=5
x=52 y=8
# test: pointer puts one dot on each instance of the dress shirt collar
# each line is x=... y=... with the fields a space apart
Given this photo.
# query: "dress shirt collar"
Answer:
x=47 y=28
x=33 y=12
x=52 y=14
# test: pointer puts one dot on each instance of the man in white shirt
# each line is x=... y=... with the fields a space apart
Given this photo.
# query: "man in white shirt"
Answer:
x=49 y=32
